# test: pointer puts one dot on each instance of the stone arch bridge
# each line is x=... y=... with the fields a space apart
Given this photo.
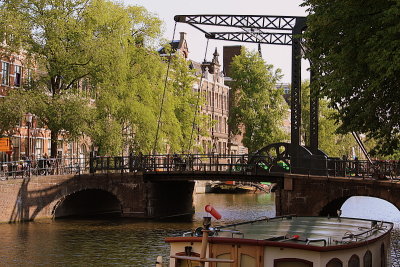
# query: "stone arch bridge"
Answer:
x=155 y=194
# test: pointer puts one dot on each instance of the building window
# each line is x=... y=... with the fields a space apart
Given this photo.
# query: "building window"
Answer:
x=292 y=262
x=368 y=259
x=39 y=148
x=334 y=263
x=5 y=73
x=28 y=80
x=225 y=126
x=225 y=103
x=383 y=255
x=70 y=149
x=49 y=147
x=16 y=143
x=18 y=76
x=354 y=261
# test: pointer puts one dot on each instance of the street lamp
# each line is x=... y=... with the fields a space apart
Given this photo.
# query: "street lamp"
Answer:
x=29 y=117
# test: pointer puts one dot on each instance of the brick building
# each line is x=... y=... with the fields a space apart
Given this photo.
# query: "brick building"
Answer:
x=216 y=95
x=29 y=138
x=216 y=107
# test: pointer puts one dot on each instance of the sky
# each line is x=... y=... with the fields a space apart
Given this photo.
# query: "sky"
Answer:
x=278 y=56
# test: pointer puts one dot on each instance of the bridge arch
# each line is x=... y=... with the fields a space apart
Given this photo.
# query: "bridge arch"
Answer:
x=324 y=195
x=367 y=206
x=87 y=202
x=339 y=203
x=331 y=208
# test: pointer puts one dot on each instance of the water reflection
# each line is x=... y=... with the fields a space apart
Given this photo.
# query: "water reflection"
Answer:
x=236 y=207
x=117 y=242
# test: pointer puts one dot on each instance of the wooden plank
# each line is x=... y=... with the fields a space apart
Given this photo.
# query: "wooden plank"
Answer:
x=202 y=259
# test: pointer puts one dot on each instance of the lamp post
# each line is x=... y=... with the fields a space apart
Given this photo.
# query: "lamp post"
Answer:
x=29 y=117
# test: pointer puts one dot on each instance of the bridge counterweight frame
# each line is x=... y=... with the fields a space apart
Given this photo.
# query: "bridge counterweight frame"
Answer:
x=249 y=23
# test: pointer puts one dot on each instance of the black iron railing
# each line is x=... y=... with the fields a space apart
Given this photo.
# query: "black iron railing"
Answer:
x=173 y=163
x=42 y=167
x=201 y=163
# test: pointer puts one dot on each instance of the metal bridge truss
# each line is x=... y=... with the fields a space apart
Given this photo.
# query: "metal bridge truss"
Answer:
x=282 y=30
x=241 y=21
x=251 y=37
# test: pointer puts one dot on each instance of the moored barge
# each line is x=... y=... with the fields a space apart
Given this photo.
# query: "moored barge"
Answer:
x=287 y=241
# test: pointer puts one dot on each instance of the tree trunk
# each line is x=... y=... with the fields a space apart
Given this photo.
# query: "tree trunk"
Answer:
x=54 y=137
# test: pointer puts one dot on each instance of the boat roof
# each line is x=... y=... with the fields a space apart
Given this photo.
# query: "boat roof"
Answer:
x=317 y=231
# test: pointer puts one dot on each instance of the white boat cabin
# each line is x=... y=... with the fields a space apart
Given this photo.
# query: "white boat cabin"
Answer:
x=288 y=241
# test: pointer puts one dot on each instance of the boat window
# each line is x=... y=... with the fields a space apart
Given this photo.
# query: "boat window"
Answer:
x=224 y=256
x=354 y=261
x=247 y=260
x=334 y=263
x=383 y=256
x=292 y=262
x=368 y=259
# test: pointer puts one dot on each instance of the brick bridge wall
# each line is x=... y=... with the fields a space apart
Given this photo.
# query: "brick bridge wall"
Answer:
x=42 y=197
x=320 y=195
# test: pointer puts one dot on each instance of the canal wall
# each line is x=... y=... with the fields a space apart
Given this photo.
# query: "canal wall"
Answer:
x=48 y=197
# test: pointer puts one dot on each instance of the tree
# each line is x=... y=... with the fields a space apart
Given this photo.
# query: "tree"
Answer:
x=69 y=40
x=107 y=49
x=10 y=113
x=258 y=106
x=354 y=50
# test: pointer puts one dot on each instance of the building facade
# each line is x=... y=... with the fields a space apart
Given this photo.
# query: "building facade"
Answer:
x=216 y=102
x=216 y=107
x=30 y=139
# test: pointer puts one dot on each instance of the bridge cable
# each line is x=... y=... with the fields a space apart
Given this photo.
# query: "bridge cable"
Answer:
x=163 y=96
x=198 y=99
x=361 y=145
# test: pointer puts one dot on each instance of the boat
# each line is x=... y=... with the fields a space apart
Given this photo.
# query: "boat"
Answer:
x=285 y=241
x=232 y=187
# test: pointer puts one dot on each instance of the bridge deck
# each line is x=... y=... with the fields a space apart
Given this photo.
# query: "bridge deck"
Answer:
x=272 y=177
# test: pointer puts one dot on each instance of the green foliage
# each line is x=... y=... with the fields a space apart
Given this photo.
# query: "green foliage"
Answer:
x=109 y=47
x=332 y=143
x=61 y=112
x=354 y=49
x=11 y=112
x=258 y=107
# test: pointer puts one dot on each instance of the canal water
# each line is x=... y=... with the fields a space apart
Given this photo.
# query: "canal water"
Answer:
x=122 y=242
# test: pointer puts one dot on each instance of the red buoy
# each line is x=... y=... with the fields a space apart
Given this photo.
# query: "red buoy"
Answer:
x=210 y=209
x=295 y=237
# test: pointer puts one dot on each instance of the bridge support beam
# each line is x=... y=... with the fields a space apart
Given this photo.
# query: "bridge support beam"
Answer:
x=168 y=199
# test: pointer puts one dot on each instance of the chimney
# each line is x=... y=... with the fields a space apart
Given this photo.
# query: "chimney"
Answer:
x=229 y=53
x=183 y=36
